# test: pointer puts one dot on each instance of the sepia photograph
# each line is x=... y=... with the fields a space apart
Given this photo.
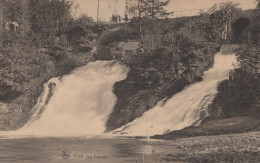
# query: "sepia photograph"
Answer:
x=129 y=81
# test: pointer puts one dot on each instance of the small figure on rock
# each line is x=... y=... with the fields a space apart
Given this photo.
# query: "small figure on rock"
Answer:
x=119 y=18
x=126 y=17
x=231 y=78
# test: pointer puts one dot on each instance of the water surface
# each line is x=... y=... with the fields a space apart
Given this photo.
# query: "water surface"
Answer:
x=82 y=149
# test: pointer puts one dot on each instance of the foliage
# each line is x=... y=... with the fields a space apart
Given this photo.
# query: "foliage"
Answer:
x=147 y=8
x=248 y=54
x=22 y=68
x=183 y=49
x=240 y=97
x=48 y=42
x=224 y=18
x=47 y=18
x=144 y=13
x=230 y=10
x=249 y=58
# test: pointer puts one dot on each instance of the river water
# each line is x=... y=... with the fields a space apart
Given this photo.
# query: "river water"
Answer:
x=82 y=149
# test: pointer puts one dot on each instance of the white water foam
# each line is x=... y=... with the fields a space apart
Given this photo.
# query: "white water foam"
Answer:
x=83 y=100
x=184 y=108
x=80 y=104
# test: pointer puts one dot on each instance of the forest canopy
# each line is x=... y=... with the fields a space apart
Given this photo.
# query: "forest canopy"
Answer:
x=40 y=38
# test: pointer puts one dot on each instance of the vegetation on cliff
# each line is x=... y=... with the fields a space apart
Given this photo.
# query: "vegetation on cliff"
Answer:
x=174 y=55
x=236 y=107
x=40 y=40
x=241 y=95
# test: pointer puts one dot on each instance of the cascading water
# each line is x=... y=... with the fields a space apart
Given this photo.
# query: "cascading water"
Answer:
x=80 y=103
x=43 y=100
x=185 y=108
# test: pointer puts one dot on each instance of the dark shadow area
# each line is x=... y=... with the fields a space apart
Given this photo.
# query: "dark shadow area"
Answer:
x=238 y=27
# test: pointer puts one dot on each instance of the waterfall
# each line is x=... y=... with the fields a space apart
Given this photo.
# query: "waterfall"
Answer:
x=43 y=100
x=185 y=108
x=80 y=104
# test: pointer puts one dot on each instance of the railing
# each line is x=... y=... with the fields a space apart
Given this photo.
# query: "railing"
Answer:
x=215 y=7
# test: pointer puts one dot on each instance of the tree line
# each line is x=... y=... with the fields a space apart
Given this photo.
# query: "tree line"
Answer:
x=41 y=39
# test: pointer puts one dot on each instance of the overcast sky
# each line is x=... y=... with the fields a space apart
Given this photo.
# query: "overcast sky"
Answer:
x=108 y=7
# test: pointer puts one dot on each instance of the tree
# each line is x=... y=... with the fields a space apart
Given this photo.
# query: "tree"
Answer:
x=48 y=18
x=230 y=13
x=248 y=55
x=145 y=12
x=249 y=58
x=147 y=8
x=155 y=8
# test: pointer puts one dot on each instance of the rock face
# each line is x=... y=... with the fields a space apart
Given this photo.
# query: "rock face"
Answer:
x=15 y=114
x=51 y=86
x=17 y=110
x=136 y=97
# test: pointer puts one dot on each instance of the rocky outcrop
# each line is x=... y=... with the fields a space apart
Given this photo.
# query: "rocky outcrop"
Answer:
x=51 y=87
x=136 y=95
x=15 y=114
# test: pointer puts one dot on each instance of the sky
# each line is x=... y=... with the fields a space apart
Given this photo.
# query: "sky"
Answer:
x=109 y=7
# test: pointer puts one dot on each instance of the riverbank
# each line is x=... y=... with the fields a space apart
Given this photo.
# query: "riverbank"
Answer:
x=243 y=147
x=215 y=127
